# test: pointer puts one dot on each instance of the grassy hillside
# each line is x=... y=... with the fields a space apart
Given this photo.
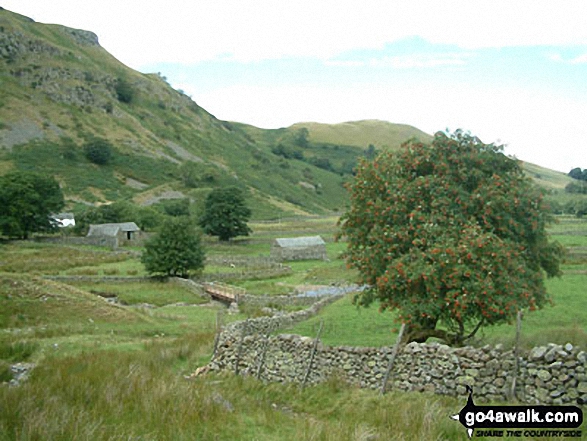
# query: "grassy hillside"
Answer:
x=381 y=134
x=60 y=89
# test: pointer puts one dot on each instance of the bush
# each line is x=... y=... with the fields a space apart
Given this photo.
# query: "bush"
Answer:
x=175 y=250
x=98 y=151
x=124 y=91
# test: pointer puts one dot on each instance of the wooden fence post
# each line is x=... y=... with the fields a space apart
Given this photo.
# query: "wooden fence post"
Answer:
x=218 y=332
x=312 y=354
x=392 y=359
x=239 y=352
x=512 y=391
x=263 y=355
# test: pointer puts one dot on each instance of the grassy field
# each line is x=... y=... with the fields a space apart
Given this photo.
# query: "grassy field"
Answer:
x=563 y=321
x=108 y=372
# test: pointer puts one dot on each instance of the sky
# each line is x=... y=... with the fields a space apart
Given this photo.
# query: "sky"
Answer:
x=509 y=72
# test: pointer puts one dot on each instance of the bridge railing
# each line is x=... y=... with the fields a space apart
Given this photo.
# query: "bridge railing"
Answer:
x=224 y=290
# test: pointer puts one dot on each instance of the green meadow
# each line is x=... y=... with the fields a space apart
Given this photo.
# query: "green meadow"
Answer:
x=109 y=371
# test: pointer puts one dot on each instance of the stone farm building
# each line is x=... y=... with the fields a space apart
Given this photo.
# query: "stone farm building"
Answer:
x=114 y=235
x=298 y=248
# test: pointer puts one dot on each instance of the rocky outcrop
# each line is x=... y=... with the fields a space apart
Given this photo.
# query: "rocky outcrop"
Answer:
x=84 y=38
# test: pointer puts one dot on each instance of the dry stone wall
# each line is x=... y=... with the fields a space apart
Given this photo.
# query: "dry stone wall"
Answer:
x=550 y=374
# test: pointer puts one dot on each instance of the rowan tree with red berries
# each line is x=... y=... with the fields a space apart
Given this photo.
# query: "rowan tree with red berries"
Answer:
x=450 y=234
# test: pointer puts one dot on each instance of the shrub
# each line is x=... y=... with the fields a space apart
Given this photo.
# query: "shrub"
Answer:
x=124 y=91
x=175 y=250
x=98 y=151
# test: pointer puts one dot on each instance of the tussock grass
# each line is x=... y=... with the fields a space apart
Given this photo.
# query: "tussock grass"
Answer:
x=151 y=292
x=112 y=395
x=30 y=257
x=17 y=350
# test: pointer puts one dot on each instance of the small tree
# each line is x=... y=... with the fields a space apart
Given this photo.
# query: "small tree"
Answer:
x=452 y=235
x=226 y=214
x=26 y=202
x=301 y=137
x=98 y=151
x=175 y=250
x=579 y=174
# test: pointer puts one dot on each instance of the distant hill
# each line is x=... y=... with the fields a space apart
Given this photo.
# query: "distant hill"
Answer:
x=381 y=134
x=60 y=89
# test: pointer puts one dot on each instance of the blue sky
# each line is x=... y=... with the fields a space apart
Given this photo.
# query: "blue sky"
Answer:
x=513 y=72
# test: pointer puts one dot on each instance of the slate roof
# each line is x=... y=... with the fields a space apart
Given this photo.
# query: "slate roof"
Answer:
x=300 y=242
x=112 y=229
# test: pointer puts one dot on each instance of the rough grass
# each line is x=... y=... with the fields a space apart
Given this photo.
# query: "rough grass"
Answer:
x=107 y=372
x=140 y=395
x=151 y=292
x=43 y=258
x=345 y=324
x=563 y=321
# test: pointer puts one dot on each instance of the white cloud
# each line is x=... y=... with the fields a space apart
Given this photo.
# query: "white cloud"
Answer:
x=141 y=33
x=579 y=59
x=420 y=61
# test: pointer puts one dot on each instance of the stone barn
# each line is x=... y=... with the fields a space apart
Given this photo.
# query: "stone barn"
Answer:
x=114 y=235
x=299 y=248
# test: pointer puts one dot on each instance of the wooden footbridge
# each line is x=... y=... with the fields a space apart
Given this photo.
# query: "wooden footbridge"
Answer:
x=224 y=292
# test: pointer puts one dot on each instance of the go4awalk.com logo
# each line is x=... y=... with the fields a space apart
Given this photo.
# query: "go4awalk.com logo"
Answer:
x=520 y=421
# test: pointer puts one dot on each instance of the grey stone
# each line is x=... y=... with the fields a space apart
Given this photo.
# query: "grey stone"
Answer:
x=544 y=375
x=472 y=372
x=537 y=352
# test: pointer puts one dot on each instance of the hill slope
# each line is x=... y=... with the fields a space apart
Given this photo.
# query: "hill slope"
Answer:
x=60 y=89
x=381 y=134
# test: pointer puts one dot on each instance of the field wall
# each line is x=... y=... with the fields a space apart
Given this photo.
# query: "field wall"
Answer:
x=550 y=374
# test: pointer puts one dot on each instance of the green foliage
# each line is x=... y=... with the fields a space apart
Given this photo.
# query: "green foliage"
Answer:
x=175 y=207
x=578 y=187
x=27 y=200
x=579 y=174
x=98 y=151
x=124 y=91
x=288 y=152
x=580 y=208
x=226 y=214
x=120 y=211
x=147 y=218
x=370 y=152
x=301 y=137
x=451 y=233
x=323 y=163
x=175 y=250
x=196 y=174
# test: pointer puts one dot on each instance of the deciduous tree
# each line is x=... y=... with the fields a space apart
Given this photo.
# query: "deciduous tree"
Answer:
x=226 y=214
x=175 y=250
x=452 y=235
x=26 y=202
